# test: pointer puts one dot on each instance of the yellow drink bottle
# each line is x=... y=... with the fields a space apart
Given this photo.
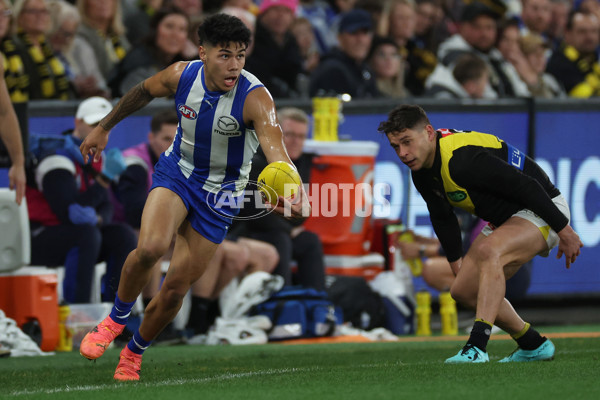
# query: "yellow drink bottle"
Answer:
x=65 y=338
x=423 y=313
x=448 y=314
x=415 y=264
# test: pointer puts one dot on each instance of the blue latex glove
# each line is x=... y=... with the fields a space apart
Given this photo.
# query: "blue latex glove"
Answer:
x=82 y=215
x=72 y=149
x=114 y=164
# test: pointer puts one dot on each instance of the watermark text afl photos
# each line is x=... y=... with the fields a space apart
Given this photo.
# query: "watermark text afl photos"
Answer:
x=326 y=200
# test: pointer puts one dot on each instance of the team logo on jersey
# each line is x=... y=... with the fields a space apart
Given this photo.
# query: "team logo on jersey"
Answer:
x=227 y=126
x=228 y=202
x=187 y=112
x=457 y=196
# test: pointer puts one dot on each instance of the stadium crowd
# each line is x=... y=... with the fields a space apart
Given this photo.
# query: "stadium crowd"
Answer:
x=74 y=49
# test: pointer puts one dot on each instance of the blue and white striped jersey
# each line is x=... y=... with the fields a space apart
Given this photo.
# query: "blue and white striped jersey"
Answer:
x=213 y=146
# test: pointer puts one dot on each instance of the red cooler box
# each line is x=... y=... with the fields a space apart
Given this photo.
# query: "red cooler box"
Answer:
x=341 y=195
x=29 y=294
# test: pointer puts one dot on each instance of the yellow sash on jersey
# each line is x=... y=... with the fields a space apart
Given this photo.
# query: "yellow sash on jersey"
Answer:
x=457 y=195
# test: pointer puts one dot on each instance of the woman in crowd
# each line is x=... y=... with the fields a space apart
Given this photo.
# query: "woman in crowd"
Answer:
x=103 y=32
x=162 y=47
x=43 y=69
x=84 y=77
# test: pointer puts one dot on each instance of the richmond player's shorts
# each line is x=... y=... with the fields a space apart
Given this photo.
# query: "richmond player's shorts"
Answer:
x=210 y=224
x=549 y=234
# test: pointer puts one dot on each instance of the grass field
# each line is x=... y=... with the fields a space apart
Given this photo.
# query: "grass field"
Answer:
x=410 y=369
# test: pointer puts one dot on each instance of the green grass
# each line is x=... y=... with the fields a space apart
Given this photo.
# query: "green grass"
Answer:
x=409 y=370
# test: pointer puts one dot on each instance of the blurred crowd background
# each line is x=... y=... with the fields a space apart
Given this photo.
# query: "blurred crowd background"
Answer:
x=74 y=49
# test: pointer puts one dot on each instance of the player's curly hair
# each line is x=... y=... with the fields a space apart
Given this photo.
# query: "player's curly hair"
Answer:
x=221 y=29
x=403 y=117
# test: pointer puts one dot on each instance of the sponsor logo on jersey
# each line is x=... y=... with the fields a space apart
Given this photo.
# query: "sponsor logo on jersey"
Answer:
x=227 y=126
x=187 y=112
x=456 y=196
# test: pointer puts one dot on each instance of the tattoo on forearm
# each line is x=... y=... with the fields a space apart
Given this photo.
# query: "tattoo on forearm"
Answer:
x=133 y=100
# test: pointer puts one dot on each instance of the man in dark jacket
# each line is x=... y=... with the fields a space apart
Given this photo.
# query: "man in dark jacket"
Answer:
x=344 y=69
x=290 y=238
x=276 y=58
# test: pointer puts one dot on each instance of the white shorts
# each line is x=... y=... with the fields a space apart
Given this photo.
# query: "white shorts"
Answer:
x=549 y=234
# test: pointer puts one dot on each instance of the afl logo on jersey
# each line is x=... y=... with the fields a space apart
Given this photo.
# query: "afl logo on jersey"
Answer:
x=187 y=112
x=228 y=126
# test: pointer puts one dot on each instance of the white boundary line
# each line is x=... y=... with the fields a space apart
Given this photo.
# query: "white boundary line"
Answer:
x=177 y=382
x=168 y=382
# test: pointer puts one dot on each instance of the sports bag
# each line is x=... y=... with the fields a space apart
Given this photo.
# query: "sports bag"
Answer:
x=298 y=312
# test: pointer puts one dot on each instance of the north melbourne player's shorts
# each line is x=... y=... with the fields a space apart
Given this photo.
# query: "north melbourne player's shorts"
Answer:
x=210 y=224
x=549 y=234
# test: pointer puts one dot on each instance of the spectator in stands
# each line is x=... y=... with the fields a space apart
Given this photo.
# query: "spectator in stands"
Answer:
x=43 y=69
x=534 y=48
x=320 y=15
x=344 y=69
x=276 y=58
x=14 y=71
x=290 y=238
x=398 y=22
x=136 y=17
x=387 y=65
x=162 y=47
x=558 y=21
x=468 y=80
x=477 y=35
x=536 y=16
x=103 y=33
x=305 y=36
x=575 y=63
x=65 y=22
x=425 y=23
x=70 y=210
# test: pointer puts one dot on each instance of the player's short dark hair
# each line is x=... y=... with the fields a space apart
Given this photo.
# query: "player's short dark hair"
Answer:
x=165 y=117
x=403 y=117
x=221 y=29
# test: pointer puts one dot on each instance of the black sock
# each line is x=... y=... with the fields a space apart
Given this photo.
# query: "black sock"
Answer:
x=528 y=338
x=199 y=310
x=480 y=334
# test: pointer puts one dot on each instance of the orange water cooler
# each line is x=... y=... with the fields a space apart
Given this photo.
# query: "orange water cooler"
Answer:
x=341 y=195
x=28 y=295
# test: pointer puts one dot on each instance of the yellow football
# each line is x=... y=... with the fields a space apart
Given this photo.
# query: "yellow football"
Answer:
x=279 y=179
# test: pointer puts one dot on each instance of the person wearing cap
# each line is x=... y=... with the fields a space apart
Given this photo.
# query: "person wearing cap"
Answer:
x=575 y=63
x=70 y=212
x=477 y=33
x=276 y=58
x=344 y=70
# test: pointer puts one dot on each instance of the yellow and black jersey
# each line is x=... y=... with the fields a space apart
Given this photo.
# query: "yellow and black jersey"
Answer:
x=487 y=177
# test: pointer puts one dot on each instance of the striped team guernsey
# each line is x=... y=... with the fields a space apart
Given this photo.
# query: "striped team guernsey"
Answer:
x=213 y=146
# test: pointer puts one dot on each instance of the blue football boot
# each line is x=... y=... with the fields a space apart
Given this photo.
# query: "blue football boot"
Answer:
x=469 y=354
x=545 y=352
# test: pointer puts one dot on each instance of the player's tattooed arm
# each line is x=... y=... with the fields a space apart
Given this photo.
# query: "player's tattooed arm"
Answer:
x=135 y=99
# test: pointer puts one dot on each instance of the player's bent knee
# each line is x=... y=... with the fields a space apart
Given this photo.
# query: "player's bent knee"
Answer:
x=149 y=253
x=485 y=253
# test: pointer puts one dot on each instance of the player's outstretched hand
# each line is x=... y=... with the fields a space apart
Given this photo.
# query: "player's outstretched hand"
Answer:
x=570 y=245
x=296 y=208
x=94 y=143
